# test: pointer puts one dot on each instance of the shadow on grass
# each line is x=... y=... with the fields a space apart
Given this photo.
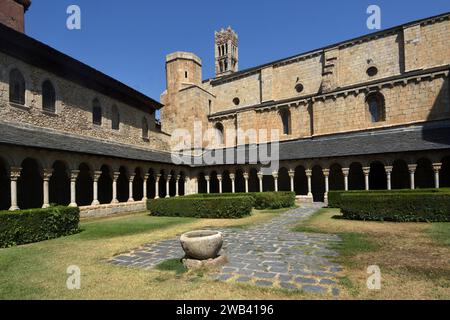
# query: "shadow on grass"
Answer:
x=172 y=265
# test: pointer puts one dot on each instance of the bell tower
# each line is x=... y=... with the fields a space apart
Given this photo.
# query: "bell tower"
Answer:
x=226 y=52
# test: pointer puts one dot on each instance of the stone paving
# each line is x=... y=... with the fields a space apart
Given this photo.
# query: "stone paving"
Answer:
x=265 y=255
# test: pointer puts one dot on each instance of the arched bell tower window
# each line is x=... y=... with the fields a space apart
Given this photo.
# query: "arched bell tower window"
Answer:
x=219 y=133
x=285 y=115
x=96 y=112
x=16 y=87
x=375 y=104
x=48 y=97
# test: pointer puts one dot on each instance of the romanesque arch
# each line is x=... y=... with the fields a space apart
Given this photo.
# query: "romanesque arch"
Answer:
x=105 y=185
x=202 y=187
x=59 y=185
x=318 y=184
x=29 y=185
x=253 y=181
x=424 y=177
x=172 y=183
x=226 y=182
x=138 y=185
x=268 y=183
x=284 y=181
x=300 y=181
x=400 y=175
x=5 y=190
x=214 y=183
x=151 y=194
x=122 y=185
x=162 y=184
x=377 y=176
x=356 y=177
x=240 y=181
x=445 y=173
x=336 y=179
x=181 y=182
x=84 y=192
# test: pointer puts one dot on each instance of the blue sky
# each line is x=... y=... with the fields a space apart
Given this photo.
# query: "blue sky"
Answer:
x=128 y=40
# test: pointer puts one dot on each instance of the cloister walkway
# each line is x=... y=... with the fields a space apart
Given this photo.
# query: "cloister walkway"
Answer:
x=266 y=255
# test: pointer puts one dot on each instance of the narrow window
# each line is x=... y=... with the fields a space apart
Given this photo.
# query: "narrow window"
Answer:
x=115 y=118
x=16 y=87
x=144 y=128
x=219 y=133
x=285 y=115
x=96 y=112
x=185 y=74
x=375 y=102
x=48 y=97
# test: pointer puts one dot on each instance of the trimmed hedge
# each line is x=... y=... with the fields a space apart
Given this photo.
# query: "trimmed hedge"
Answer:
x=33 y=225
x=202 y=207
x=261 y=200
x=413 y=206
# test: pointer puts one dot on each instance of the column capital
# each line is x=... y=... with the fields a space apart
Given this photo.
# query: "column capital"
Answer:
x=275 y=175
x=345 y=171
x=47 y=174
x=291 y=173
x=219 y=177
x=116 y=176
x=246 y=175
x=366 y=170
x=14 y=173
x=97 y=175
x=326 y=172
x=74 y=175
x=388 y=169
x=131 y=177
x=412 y=168
x=437 y=166
x=207 y=178
x=168 y=177
x=308 y=173
x=178 y=177
x=260 y=175
x=157 y=177
x=146 y=176
x=232 y=176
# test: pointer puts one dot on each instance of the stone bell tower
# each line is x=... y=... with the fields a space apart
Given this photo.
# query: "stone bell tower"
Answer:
x=12 y=13
x=226 y=52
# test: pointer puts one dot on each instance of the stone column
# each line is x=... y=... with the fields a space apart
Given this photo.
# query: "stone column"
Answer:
x=436 y=167
x=177 y=191
x=412 y=171
x=144 y=187
x=97 y=175
x=14 y=175
x=366 y=171
x=233 y=185
x=207 y=178
x=388 y=170
x=46 y=175
x=291 y=178
x=157 y=177
x=260 y=177
x=219 y=177
x=186 y=179
x=326 y=174
x=130 y=187
x=246 y=177
x=73 y=188
x=114 y=187
x=168 y=178
x=275 y=180
x=346 y=172
x=308 y=173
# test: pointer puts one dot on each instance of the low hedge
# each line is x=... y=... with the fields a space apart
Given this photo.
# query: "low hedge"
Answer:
x=202 y=207
x=261 y=200
x=396 y=206
x=33 y=225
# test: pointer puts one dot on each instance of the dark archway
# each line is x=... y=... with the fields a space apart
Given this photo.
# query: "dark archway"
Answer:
x=202 y=186
x=336 y=179
x=123 y=192
x=268 y=183
x=240 y=181
x=84 y=186
x=104 y=186
x=284 y=181
x=29 y=186
x=226 y=182
x=213 y=183
x=318 y=184
x=162 y=185
x=356 y=177
x=424 y=177
x=59 y=185
x=253 y=181
x=377 y=176
x=444 y=174
x=173 y=184
x=138 y=185
x=300 y=181
x=400 y=175
x=5 y=188
x=151 y=185
x=181 y=191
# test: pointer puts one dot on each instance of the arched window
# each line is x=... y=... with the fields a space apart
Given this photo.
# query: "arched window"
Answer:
x=219 y=133
x=375 y=103
x=48 y=97
x=115 y=118
x=16 y=87
x=96 y=112
x=144 y=128
x=285 y=115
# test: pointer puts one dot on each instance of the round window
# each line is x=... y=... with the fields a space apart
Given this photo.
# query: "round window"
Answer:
x=299 y=87
x=236 y=101
x=372 y=71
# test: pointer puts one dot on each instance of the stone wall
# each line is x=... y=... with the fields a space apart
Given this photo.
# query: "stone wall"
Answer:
x=104 y=210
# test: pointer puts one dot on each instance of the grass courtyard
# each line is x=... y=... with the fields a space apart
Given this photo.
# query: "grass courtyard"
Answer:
x=413 y=257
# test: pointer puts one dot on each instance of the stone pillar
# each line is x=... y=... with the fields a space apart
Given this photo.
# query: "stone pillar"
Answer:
x=388 y=170
x=233 y=182
x=177 y=189
x=168 y=178
x=14 y=175
x=219 y=177
x=291 y=178
x=114 y=187
x=346 y=172
x=144 y=187
x=47 y=174
x=186 y=179
x=275 y=180
x=436 y=167
x=130 y=188
x=366 y=171
x=207 y=178
x=246 y=177
x=73 y=188
x=326 y=174
x=97 y=175
x=412 y=171
x=157 y=177
x=260 y=177
x=308 y=173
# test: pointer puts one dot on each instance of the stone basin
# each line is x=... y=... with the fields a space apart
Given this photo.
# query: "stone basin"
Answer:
x=201 y=244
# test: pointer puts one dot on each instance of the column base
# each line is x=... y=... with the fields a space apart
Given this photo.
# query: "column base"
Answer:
x=114 y=201
x=73 y=205
x=130 y=200
x=167 y=196
x=45 y=206
x=144 y=199
x=14 y=208
x=156 y=197
x=95 y=203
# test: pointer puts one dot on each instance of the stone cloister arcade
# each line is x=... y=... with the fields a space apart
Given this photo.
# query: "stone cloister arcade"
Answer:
x=33 y=178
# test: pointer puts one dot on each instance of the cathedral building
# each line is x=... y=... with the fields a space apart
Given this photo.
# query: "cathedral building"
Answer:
x=367 y=113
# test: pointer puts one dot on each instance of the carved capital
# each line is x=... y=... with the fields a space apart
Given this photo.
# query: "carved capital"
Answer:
x=74 y=175
x=412 y=168
x=308 y=173
x=345 y=171
x=437 y=167
x=14 y=173
x=326 y=172
x=97 y=175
